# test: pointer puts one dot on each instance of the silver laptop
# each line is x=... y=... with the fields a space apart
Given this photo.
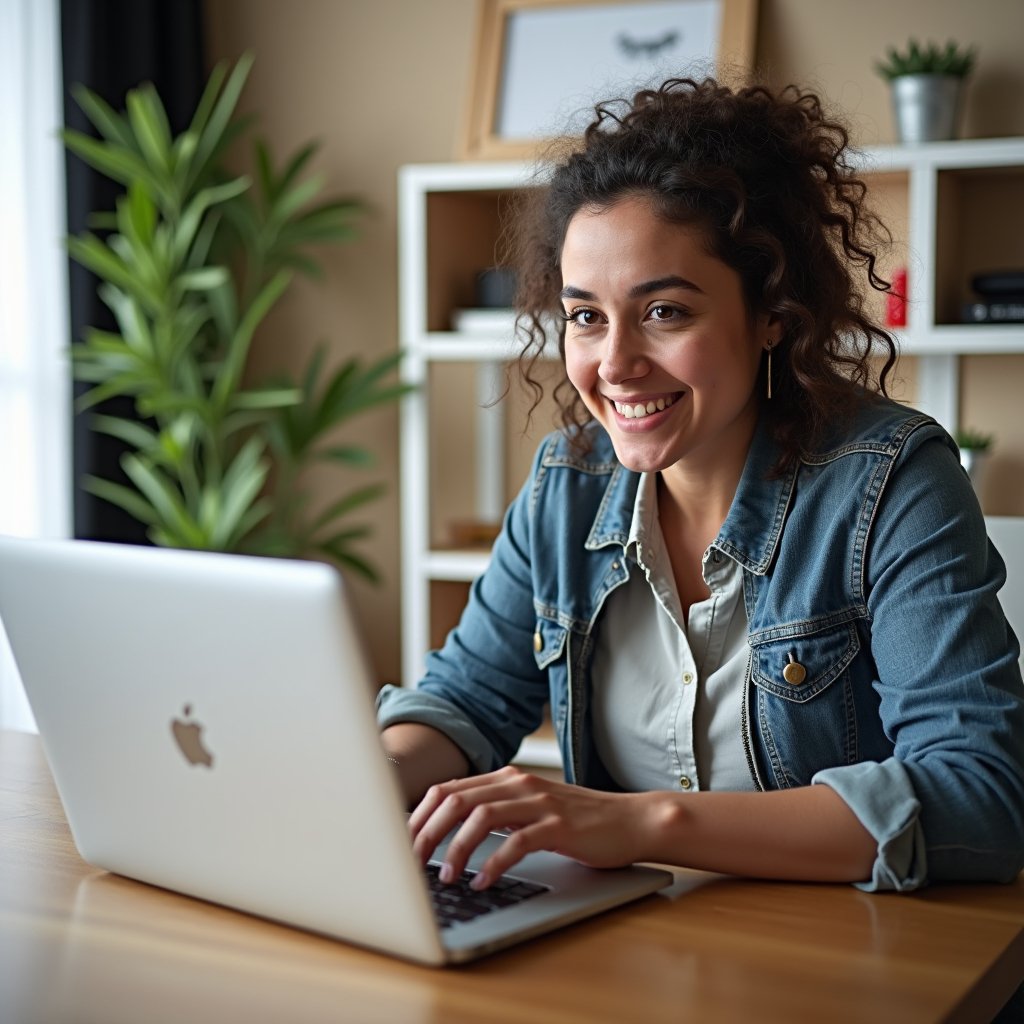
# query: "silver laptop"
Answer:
x=209 y=723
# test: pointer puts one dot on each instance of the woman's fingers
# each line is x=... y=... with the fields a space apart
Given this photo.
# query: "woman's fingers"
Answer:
x=522 y=814
x=447 y=804
x=594 y=828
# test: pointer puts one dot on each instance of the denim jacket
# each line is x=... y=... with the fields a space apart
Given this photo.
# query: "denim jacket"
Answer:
x=866 y=564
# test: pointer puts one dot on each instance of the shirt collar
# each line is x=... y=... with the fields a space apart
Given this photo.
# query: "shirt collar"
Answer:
x=752 y=527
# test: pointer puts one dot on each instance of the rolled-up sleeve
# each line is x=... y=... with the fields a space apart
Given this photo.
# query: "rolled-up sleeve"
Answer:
x=397 y=704
x=483 y=688
x=883 y=799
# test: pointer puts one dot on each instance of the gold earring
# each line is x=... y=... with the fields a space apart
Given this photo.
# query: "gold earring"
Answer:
x=770 y=372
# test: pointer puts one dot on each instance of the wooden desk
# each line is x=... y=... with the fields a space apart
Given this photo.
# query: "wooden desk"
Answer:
x=77 y=944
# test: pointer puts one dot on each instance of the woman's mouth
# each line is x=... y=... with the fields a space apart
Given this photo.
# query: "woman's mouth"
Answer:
x=638 y=410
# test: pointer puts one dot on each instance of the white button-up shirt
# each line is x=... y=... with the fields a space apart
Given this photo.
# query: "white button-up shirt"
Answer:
x=667 y=692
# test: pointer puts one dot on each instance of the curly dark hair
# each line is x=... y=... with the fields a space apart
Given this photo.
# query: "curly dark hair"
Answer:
x=768 y=178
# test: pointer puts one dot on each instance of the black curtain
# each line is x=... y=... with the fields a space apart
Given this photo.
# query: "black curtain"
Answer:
x=111 y=46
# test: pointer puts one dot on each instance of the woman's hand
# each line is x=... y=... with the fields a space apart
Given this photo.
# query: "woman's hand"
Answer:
x=599 y=829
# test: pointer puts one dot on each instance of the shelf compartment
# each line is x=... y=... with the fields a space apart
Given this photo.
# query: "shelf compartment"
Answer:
x=980 y=228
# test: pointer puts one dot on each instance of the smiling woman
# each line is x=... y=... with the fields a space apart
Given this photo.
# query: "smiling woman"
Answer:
x=725 y=572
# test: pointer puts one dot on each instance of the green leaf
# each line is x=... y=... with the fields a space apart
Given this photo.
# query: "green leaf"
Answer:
x=92 y=373
x=351 y=455
x=182 y=151
x=230 y=373
x=164 y=498
x=207 y=100
x=202 y=242
x=203 y=279
x=114 y=161
x=265 y=172
x=141 y=212
x=313 y=370
x=134 y=324
x=290 y=201
x=215 y=131
x=343 y=537
x=101 y=260
x=172 y=403
x=242 y=484
x=111 y=125
x=349 y=560
x=149 y=123
x=131 y=431
x=192 y=217
x=255 y=514
x=304 y=265
x=266 y=398
x=224 y=310
x=110 y=387
x=106 y=348
x=295 y=165
x=124 y=497
x=346 y=504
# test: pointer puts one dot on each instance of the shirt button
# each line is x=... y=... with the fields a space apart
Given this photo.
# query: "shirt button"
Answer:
x=687 y=677
x=684 y=781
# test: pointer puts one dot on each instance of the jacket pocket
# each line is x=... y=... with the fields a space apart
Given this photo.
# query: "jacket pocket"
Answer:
x=803 y=664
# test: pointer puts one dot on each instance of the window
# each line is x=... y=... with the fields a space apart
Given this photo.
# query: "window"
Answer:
x=35 y=390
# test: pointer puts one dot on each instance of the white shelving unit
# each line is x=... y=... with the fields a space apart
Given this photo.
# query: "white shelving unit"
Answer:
x=926 y=177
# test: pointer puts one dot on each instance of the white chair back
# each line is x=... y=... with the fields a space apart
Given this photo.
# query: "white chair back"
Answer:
x=1007 y=533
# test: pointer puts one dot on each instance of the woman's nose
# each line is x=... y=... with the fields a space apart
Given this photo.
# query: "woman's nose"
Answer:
x=623 y=357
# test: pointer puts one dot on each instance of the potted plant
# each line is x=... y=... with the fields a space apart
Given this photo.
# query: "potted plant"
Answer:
x=974 y=451
x=191 y=261
x=926 y=85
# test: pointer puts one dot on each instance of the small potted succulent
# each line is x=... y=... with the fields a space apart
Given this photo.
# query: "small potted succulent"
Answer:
x=974 y=451
x=927 y=86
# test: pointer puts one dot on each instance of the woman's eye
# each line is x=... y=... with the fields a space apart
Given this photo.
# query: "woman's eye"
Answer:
x=664 y=312
x=583 y=317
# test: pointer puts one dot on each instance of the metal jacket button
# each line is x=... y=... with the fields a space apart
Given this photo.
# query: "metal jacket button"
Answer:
x=538 y=642
x=794 y=673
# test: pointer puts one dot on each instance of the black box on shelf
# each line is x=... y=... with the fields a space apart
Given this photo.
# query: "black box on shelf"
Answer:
x=993 y=313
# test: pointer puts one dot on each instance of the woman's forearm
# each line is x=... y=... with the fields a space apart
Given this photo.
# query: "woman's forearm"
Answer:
x=422 y=756
x=807 y=834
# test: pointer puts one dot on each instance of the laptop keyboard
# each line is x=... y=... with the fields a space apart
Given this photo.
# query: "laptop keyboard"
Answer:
x=455 y=903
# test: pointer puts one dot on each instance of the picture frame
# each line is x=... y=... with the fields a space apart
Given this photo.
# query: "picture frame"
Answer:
x=540 y=64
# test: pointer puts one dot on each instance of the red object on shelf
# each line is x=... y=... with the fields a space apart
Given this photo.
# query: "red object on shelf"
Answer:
x=896 y=300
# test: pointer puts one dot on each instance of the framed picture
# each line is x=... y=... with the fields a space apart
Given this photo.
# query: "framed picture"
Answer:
x=542 y=64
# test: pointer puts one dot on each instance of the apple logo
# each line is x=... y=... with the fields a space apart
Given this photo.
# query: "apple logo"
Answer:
x=188 y=736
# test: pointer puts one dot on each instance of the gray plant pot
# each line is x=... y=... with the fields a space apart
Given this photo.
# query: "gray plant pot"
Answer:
x=975 y=461
x=926 y=107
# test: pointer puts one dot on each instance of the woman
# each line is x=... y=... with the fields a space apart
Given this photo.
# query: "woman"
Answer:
x=757 y=594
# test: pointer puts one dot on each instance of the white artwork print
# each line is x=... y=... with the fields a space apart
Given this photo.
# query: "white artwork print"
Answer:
x=559 y=61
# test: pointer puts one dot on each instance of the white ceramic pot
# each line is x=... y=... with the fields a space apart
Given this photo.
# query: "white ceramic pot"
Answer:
x=926 y=107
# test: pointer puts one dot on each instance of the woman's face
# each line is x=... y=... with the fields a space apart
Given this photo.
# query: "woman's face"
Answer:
x=659 y=343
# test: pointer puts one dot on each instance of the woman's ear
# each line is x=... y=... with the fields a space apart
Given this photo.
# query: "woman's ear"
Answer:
x=771 y=330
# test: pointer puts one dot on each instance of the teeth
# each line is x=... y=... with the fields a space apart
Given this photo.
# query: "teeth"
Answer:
x=642 y=409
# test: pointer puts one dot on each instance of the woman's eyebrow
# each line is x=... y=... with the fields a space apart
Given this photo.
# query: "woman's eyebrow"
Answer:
x=638 y=290
x=660 y=283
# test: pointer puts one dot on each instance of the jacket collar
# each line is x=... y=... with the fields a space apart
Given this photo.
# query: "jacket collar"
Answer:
x=751 y=531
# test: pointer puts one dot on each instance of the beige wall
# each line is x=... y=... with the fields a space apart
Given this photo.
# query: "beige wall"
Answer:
x=382 y=83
